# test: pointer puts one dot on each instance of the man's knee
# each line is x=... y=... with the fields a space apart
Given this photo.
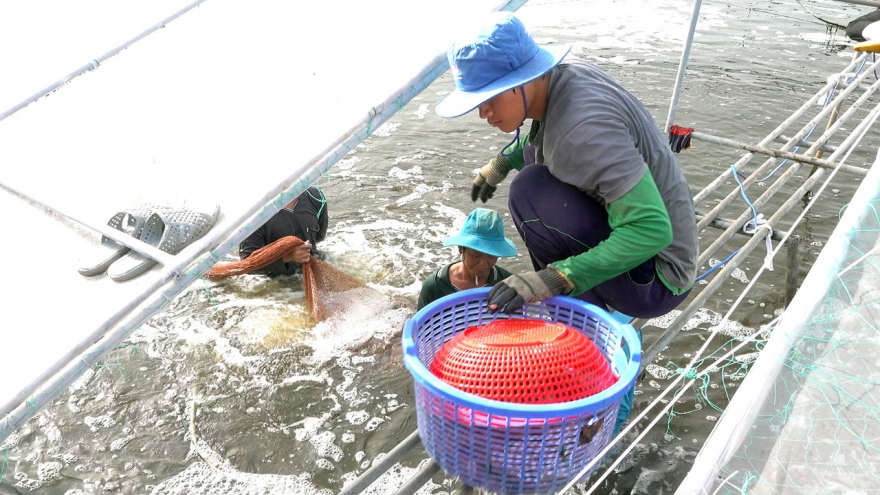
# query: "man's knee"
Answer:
x=529 y=180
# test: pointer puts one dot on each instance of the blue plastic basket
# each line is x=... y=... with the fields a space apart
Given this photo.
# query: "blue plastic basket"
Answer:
x=507 y=447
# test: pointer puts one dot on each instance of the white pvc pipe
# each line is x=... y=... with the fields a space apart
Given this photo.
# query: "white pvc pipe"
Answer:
x=682 y=65
x=94 y=63
x=724 y=176
x=117 y=235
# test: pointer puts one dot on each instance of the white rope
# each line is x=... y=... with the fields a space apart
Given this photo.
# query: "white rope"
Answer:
x=755 y=226
x=861 y=259
x=725 y=481
x=768 y=259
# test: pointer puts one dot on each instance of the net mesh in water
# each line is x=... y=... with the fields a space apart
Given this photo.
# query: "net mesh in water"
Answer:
x=319 y=277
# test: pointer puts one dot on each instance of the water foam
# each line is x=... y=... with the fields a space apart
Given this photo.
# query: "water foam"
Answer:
x=356 y=317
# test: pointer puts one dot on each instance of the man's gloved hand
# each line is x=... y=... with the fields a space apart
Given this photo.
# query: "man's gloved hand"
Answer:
x=489 y=177
x=511 y=293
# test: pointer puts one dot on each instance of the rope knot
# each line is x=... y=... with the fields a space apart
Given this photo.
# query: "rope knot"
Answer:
x=753 y=228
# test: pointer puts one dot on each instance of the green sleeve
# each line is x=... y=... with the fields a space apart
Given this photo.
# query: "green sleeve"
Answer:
x=640 y=228
x=516 y=159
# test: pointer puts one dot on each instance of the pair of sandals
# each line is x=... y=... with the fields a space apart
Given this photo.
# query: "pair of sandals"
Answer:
x=168 y=228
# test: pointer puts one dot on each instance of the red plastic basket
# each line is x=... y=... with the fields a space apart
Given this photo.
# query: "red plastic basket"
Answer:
x=526 y=361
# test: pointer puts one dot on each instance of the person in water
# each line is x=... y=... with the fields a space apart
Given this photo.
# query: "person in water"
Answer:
x=480 y=242
x=306 y=218
x=599 y=198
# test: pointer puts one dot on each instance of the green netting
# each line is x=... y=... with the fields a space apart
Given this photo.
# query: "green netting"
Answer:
x=721 y=376
x=817 y=430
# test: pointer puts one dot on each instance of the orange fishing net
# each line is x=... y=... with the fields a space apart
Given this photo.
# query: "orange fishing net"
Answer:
x=319 y=277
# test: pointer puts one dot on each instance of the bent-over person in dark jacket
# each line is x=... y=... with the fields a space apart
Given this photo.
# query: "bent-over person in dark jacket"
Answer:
x=306 y=218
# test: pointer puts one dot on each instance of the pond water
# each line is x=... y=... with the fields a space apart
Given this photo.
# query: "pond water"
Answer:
x=290 y=407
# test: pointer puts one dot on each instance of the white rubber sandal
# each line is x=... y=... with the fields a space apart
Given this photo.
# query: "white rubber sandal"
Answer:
x=131 y=222
x=170 y=231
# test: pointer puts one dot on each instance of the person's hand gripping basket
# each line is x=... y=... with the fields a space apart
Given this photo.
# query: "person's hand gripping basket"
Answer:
x=503 y=438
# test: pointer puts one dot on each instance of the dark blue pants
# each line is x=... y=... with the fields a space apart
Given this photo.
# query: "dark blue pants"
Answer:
x=557 y=220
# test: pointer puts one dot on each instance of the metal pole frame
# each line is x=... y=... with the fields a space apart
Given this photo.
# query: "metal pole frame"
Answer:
x=682 y=65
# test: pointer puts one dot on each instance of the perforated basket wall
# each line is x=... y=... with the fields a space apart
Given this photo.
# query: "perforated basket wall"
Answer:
x=508 y=447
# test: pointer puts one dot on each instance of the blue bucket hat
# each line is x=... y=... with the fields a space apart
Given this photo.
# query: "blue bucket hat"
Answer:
x=483 y=231
x=501 y=57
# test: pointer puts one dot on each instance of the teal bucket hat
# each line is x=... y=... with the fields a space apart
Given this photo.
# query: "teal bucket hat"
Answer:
x=501 y=57
x=483 y=231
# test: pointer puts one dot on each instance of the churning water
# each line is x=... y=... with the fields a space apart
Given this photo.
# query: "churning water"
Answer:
x=280 y=406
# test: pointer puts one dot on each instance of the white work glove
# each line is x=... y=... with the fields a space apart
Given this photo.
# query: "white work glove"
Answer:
x=511 y=293
x=489 y=177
